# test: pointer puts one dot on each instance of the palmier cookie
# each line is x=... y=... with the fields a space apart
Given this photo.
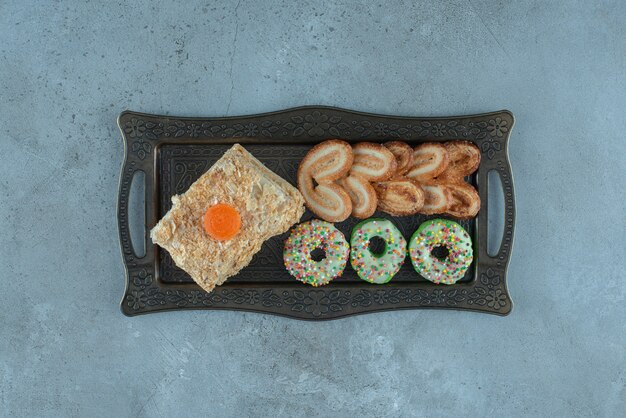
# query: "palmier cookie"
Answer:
x=464 y=159
x=325 y=163
x=464 y=201
x=373 y=162
x=399 y=197
x=436 y=199
x=429 y=160
x=404 y=156
x=362 y=195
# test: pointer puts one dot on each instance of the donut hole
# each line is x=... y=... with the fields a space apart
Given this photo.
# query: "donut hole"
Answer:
x=318 y=254
x=377 y=246
x=440 y=252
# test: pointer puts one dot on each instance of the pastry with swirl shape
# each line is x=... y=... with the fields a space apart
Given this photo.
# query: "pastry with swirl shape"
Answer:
x=373 y=162
x=404 y=156
x=399 y=197
x=464 y=157
x=325 y=163
x=464 y=202
x=362 y=195
x=436 y=199
x=429 y=160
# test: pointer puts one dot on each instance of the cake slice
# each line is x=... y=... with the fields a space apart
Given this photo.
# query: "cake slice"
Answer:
x=266 y=203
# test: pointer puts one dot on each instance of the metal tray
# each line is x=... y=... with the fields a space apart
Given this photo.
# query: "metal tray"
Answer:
x=173 y=152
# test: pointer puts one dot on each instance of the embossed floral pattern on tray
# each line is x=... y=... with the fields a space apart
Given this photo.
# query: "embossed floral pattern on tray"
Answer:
x=321 y=303
x=317 y=124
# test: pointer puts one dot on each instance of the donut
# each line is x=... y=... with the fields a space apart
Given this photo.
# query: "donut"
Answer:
x=307 y=237
x=442 y=235
x=377 y=268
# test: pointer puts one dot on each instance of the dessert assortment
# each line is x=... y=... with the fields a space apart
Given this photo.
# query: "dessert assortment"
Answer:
x=338 y=180
x=214 y=229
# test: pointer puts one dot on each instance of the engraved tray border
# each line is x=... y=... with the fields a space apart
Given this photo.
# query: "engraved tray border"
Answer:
x=143 y=134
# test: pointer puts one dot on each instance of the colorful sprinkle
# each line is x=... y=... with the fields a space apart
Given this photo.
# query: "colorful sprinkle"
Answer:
x=377 y=268
x=438 y=233
x=307 y=237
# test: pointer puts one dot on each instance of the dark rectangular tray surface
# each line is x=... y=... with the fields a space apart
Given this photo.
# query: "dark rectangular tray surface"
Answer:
x=174 y=152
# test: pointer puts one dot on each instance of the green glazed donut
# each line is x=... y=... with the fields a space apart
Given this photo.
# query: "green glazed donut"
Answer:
x=377 y=268
x=441 y=233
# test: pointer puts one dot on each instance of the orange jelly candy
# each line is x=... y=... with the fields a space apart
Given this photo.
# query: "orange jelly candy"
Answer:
x=222 y=221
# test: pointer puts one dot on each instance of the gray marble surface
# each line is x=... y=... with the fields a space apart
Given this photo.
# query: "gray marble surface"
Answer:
x=67 y=68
